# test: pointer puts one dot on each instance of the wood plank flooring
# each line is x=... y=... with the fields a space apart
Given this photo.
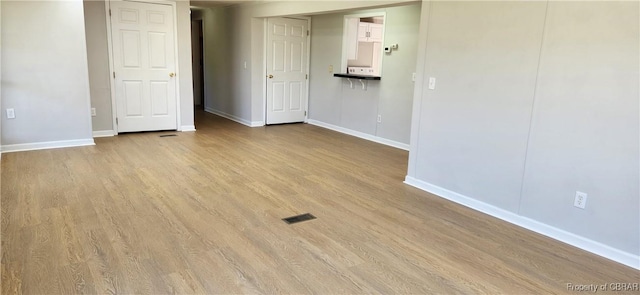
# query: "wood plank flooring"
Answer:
x=201 y=213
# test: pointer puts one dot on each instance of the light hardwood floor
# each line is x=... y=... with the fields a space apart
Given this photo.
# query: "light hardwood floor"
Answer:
x=200 y=213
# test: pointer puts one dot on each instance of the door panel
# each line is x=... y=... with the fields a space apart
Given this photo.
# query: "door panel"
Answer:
x=144 y=65
x=286 y=70
x=295 y=96
x=160 y=101
x=133 y=98
x=157 y=52
x=130 y=49
x=278 y=97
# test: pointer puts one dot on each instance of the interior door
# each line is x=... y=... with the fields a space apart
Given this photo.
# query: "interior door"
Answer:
x=286 y=70
x=144 y=65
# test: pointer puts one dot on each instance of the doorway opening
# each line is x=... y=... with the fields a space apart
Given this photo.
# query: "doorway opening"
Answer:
x=197 y=60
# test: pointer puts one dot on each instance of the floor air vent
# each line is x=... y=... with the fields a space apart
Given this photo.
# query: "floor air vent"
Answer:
x=298 y=218
x=167 y=135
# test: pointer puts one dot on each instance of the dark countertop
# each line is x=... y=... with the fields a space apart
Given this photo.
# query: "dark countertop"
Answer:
x=356 y=76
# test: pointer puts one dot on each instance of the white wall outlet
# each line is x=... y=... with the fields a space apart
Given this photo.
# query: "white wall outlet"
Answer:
x=245 y=65
x=93 y=112
x=394 y=46
x=413 y=77
x=330 y=69
x=379 y=118
x=580 y=200
x=432 y=83
x=11 y=114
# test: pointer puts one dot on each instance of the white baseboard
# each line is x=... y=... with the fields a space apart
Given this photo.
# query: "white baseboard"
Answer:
x=235 y=118
x=257 y=123
x=188 y=128
x=359 y=134
x=103 y=133
x=589 y=245
x=46 y=145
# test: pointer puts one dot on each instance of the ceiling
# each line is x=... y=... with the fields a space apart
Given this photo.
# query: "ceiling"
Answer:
x=216 y=3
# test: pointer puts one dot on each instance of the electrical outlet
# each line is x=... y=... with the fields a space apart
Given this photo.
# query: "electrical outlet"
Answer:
x=11 y=114
x=379 y=118
x=93 y=112
x=580 y=200
x=432 y=83
x=330 y=69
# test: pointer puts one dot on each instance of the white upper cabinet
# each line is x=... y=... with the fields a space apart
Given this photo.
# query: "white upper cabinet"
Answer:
x=369 y=32
x=375 y=32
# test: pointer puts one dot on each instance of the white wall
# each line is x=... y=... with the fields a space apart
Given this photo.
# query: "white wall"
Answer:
x=534 y=101
x=244 y=26
x=333 y=101
x=44 y=73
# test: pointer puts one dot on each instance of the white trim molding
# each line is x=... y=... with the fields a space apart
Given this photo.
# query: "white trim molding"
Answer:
x=395 y=144
x=46 y=145
x=112 y=81
x=103 y=133
x=583 y=243
x=187 y=128
x=235 y=118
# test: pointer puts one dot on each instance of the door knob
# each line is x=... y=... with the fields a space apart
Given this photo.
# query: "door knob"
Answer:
x=171 y=75
x=270 y=76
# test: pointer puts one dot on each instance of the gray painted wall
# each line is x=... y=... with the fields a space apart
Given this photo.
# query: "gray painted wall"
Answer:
x=333 y=101
x=244 y=29
x=585 y=128
x=44 y=72
x=98 y=55
x=95 y=22
x=533 y=103
x=484 y=57
x=222 y=66
x=0 y=77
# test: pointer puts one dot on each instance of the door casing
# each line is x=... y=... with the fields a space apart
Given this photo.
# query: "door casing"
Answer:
x=114 y=111
x=264 y=66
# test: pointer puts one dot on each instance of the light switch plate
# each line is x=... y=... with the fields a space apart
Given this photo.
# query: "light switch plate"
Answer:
x=11 y=114
x=432 y=83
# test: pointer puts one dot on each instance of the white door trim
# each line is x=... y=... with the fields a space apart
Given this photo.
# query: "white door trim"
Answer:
x=264 y=66
x=114 y=110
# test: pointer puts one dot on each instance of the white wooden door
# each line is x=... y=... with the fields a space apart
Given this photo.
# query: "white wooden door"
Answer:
x=144 y=65
x=286 y=70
